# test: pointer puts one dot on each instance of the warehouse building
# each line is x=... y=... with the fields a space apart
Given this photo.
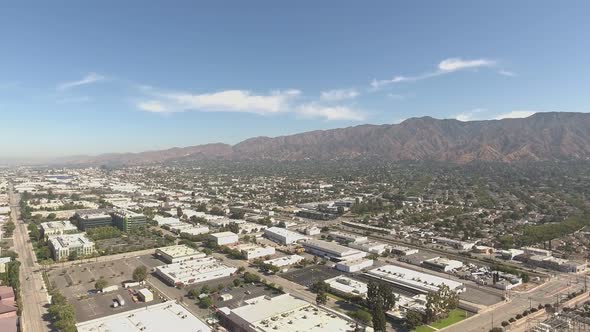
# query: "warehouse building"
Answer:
x=252 y=251
x=283 y=236
x=412 y=280
x=189 y=229
x=347 y=237
x=373 y=247
x=283 y=313
x=63 y=245
x=178 y=253
x=332 y=251
x=346 y=286
x=224 y=238
x=402 y=251
x=157 y=317
x=442 y=264
x=354 y=265
x=194 y=271
x=285 y=261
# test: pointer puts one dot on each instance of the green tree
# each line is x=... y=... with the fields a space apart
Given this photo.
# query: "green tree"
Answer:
x=379 y=321
x=362 y=316
x=101 y=283
x=440 y=303
x=414 y=319
x=205 y=303
x=140 y=273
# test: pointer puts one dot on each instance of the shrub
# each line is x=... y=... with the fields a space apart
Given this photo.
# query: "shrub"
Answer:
x=519 y=316
x=512 y=320
x=505 y=323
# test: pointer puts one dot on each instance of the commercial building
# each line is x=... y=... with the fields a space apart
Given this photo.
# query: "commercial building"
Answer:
x=283 y=313
x=346 y=286
x=145 y=295
x=367 y=227
x=402 y=251
x=511 y=253
x=536 y=251
x=283 y=236
x=167 y=221
x=285 y=261
x=457 y=244
x=412 y=280
x=63 y=245
x=252 y=251
x=312 y=230
x=332 y=251
x=250 y=227
x=557 y=264
x=224 y=238
x=189 y=229
x=354 y=265
x=442 y=264
x=178 y=253
x=87 y=219
x=194 y=271
x=126 y=220
x=373 y=247
x=347 y=237
x=57 y=227
x=157 y=317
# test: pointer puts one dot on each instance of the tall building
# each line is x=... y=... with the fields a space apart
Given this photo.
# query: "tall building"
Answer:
x=126 y=220
x=87 y=219
x=63 y=245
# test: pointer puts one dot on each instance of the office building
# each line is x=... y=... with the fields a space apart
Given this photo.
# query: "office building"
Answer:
x=63 y=245
x=126 y=220
x=178 y=253
x=57 y=227
x=224 y=238
x=346 y=286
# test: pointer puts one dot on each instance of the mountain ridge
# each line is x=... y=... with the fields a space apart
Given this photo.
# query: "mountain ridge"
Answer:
x=541 y=136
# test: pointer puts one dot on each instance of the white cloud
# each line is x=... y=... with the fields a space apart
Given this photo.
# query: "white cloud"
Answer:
x=242 y=101
x=396 y=96
x=153 y=106
x=471 y=115
x=446 y=66
x=72 y=100
x=454 y=64
x=88 y=79
x=339 y=94
x=313 y=110
x=515 y=114
x=506 y=73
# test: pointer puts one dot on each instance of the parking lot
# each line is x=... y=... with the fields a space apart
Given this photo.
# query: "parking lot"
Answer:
x=311 y=274
x=76 y=283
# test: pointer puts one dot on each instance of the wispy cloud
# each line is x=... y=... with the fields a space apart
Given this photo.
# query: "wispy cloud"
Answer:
x=474 y=114
x=72 y=100
x=446 y=66
x=508 y=73
x=515 y=114
x=339 y=94
x=88 y=79
x=313 y=110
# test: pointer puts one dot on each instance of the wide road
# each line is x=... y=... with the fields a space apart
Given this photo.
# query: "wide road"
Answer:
x=33 y=292
x=546 y=293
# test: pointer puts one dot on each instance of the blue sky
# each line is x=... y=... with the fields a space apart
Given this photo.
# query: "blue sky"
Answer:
x=115 y=76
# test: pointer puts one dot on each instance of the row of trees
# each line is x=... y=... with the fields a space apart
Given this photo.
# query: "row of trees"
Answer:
x=62 y=312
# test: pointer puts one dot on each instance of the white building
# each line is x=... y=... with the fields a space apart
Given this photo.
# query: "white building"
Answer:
x=457 y=244
x=285 y=260
x=537 y=251
x=442 y=264
x=511 y=253
x=145 y=295
x=373 y=247
x=62 y=245
x=166 y=220
x=347 y=286
x=413 y=280
x=194 y=271
x=283 y=236
x=189 y=229
x=225 y=238
x=252 y=251
x=178 y=253
x=312 y=230
x=157 y=317
x=332 y=251
x=283 y=313
x=57 y=227
x=348 y=237
x=354 y=265
x=402 y=251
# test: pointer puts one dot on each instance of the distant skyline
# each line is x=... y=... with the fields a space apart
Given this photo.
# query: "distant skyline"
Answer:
x=111 y=76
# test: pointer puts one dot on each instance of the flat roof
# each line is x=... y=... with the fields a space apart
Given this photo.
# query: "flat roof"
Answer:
x=180 y=250
x=154 y=318
x=410 y=278
x=223 y=234
x=331 y=247
x=289 y=314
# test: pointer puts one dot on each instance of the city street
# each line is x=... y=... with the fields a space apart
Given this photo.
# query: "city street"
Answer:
x=33 y=291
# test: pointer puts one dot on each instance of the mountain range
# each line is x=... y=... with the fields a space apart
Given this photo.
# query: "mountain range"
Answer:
x=542 y=136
